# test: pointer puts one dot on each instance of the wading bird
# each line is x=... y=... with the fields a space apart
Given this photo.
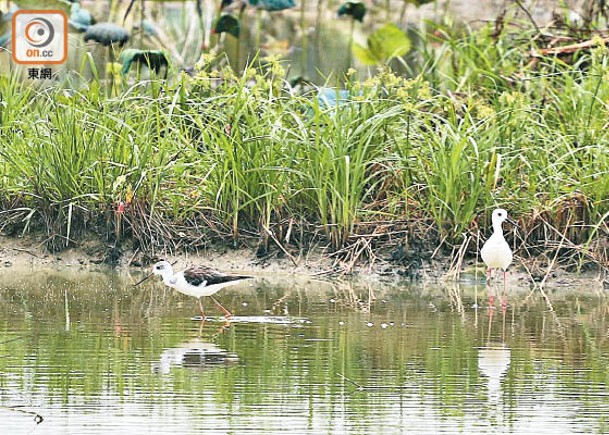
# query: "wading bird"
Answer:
x=197 y=281
x=496 y=252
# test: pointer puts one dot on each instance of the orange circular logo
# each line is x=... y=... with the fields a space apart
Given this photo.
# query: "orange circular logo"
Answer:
x=39 y=32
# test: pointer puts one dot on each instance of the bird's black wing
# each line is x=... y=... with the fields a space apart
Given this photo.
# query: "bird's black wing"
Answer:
x=197 y=274
x=194 y=275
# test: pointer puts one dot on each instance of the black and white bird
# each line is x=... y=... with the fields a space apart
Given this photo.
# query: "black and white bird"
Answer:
x=196 y=281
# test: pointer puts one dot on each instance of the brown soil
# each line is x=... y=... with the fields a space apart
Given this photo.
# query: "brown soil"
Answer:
x=20 y=252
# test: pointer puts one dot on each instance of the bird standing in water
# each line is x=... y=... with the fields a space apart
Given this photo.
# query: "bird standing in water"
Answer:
x=496 y=252
x=197 y=281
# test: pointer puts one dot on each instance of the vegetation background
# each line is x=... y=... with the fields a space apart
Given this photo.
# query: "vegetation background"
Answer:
x=397 y=152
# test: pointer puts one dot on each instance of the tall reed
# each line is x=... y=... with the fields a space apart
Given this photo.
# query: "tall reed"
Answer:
x=247 y=156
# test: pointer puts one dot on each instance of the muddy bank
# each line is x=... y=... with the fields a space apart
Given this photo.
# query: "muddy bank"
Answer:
x=30 y=251
x=17 y=253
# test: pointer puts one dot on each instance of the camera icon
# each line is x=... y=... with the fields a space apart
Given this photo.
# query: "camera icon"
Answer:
x=40 y=37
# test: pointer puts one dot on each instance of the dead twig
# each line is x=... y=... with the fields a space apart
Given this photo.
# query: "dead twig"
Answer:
x=359 y=387
x=457 y=263
x=530 y=17
x=27 y=251
x=17 y=408
x=572 y=48
x=553 y=262
x=278 y=243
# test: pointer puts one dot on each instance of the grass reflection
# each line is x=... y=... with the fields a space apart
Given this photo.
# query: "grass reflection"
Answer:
x=89 y=343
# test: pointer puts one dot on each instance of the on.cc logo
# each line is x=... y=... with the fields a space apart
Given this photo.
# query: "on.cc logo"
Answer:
x=40 y=37
x=39 y=32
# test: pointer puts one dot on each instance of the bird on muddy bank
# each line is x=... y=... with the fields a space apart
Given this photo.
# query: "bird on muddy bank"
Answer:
x=196 y=281
x=496 y=252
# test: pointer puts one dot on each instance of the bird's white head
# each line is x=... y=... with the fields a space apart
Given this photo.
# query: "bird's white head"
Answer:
x=499 y=216
x=162 y=268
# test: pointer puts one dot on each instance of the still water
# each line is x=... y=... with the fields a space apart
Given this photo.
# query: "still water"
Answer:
x=88 y=354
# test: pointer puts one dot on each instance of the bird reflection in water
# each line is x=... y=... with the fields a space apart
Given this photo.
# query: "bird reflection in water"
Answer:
x=194 y=354
x=494 y=362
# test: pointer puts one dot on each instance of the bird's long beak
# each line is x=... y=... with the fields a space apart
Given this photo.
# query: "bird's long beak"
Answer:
x=512 y=221
x=149 y=275
x=143 y=279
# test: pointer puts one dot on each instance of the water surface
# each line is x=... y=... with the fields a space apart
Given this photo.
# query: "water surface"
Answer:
x=89 y=354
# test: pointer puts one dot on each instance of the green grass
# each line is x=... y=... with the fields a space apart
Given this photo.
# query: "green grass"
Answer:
x=243 y=159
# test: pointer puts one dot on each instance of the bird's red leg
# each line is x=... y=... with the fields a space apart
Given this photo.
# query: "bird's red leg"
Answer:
x=491 y=297
x=227 y=313
x=202 y=312
x=504 y=297
x=490 y=325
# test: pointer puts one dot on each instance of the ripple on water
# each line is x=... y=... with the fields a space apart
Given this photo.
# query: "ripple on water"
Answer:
x=129 y=361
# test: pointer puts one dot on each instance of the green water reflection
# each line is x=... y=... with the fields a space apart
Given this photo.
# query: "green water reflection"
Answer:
x=91 y=354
